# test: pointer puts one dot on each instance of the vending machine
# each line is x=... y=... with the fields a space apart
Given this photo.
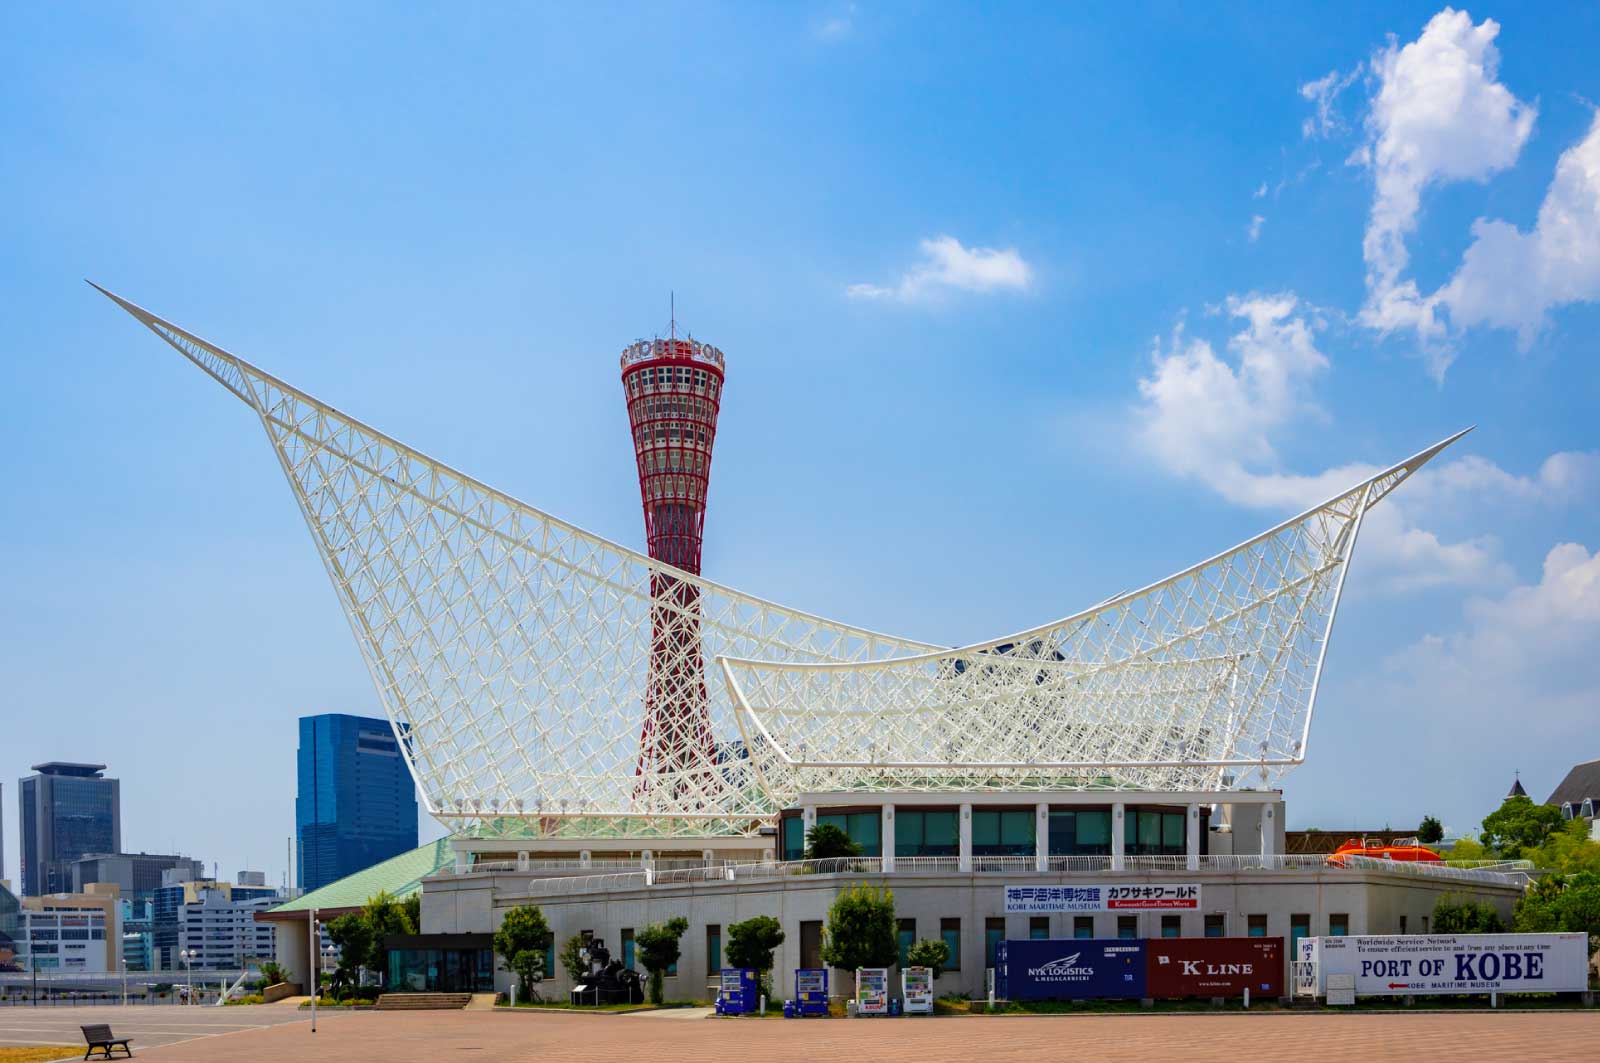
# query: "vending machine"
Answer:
x=811 y=991
x=740 y=992
x=872 y=991
x=916 y=989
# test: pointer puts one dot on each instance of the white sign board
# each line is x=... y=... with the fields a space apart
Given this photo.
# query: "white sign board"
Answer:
x=1399 y=965
x=1133 y=897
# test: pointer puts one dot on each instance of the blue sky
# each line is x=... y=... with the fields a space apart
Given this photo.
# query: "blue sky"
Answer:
x=1022 y=308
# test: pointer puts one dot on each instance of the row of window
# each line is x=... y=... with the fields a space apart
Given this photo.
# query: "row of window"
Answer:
x=1000 y=832
x=686 y=407
x=668 y=375
x=671 y=431
x=673 y=459
x=673 y=486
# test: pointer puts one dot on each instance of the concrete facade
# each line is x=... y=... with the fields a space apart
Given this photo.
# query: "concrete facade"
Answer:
x=1368 y=901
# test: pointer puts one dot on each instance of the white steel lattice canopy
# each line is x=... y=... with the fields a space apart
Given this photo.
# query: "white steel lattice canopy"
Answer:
x=512 y=651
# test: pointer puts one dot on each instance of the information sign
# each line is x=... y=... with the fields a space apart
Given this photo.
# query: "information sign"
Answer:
x=1132 y=897
x=1405 y=964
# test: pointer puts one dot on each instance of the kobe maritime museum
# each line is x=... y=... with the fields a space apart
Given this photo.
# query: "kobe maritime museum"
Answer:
x=619 y=740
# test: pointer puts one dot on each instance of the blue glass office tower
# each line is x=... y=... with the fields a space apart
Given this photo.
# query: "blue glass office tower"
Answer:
x=66 y=811
x=357 y=804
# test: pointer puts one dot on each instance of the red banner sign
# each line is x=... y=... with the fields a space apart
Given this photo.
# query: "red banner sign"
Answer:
x=1214 y=967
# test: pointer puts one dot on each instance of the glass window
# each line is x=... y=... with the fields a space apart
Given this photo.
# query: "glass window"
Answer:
x=1174 y=832
x=627 y=947
x=906 y=936
x=1299 y=927
x=811 y=943
x=919 y=833
x=713 y=947
x=1038 y=927
x=1127 y=926
x=1002 y=833
x=1216 y=925
x=1402 y=924
x=1338 y=924
x=1257 y=926
x=1094 y=833
x=950 y=931
x=1063 y=833
x=794 y=839
x=1171 y=926
x=1083 y=926
x=994 y=932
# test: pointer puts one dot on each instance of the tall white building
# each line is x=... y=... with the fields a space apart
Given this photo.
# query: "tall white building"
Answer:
x=220 y=931
x=61 y=935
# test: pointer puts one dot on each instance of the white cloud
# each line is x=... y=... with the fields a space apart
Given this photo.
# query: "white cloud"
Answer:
x=1532 y=646
x=1215 y=419
x=1253 y=230
x=947 y=266
x=1324 y=94
x=1261 y=193
x=1200 y=412
x=1439 y=115
x=1511 y=279
x=838 y=26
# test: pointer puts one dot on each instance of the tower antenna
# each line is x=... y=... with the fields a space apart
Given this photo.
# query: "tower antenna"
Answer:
x=672 y=313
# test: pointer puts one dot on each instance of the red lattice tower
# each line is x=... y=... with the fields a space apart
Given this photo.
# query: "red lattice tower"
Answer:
x=674 y=390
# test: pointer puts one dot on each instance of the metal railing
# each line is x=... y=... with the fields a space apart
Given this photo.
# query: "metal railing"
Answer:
x=1497 y=873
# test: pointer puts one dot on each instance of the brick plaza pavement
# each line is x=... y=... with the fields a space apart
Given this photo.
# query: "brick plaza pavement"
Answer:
x=148 y=1025
x=430 y=1037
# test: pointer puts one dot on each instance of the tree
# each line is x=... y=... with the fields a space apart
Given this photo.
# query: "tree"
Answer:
x=1452 y=915
x=751 y=944
x=272 y=972
x=1430 y=831
x=352 y=935
x=524 y=929
x=1569 y=850
x=1466 y=849
x=1569 y=903
x=528 y=966
x=657 y=945
x=929 y=952
x=1519 y=824
x=861 y=930
x=572 y=960
x=411 y=912
x=825 y=840
x=384 y=916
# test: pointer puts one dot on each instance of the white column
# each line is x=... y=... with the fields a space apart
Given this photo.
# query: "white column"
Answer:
x=1041 y=837
x=461 y=861
x=1192 y=837
x=886 y=839
x=964 y=825
x=522 y=861
x=808 y=819
x=1118 y=839
x=1269 y=834
x=585 y=858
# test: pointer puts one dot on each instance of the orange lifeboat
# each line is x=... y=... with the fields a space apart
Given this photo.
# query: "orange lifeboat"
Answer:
x=1401 y=850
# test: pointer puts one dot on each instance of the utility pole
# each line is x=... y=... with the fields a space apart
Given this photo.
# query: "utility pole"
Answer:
x=313 y=960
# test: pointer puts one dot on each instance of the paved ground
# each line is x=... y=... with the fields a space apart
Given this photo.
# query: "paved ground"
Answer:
x=443 y=1036
x=148 y=1025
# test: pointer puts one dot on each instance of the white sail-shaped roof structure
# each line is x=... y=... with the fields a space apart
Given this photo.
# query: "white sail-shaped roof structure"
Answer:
x=511 y=650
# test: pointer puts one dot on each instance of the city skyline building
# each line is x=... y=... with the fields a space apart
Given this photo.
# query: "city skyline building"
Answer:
x=66 y=810
x=137 y=875
x=356 y=801
x=673 y=390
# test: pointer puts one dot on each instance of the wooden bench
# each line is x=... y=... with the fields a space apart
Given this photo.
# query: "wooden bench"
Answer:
x=99 y=1037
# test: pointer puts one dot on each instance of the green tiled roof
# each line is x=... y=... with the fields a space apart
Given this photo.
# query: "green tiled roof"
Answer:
x=400 y=875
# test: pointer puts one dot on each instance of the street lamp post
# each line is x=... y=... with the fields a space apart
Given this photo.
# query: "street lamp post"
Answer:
x=313 y=958
x=124 y=965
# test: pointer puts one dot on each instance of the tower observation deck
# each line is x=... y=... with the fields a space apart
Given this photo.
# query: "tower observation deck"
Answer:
x=673 y=389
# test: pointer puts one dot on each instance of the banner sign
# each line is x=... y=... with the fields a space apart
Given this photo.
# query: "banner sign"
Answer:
x=1070 y=969
x=1144 y=897
x=1394 y=965
x=1214 y=967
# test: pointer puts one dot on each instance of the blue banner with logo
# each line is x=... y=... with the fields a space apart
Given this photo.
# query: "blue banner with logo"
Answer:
x=1069 y=969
